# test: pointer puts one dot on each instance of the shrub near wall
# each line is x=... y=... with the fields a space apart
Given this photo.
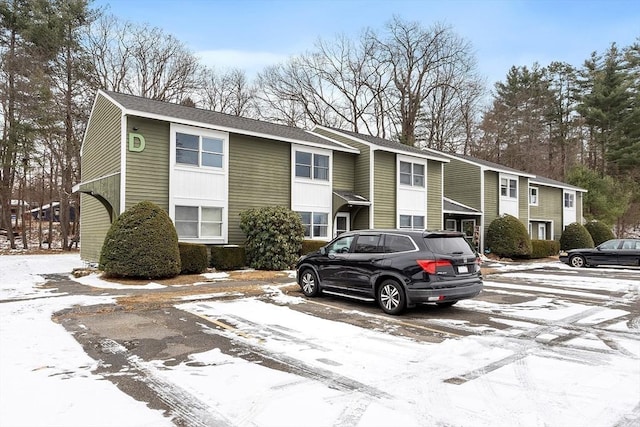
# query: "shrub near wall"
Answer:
x=544 y=248
x=194 y=258
x=599 y=231
x=508 y=237
x=274 y=237
x=143 y=243
x=228 y=257
x=575 y=236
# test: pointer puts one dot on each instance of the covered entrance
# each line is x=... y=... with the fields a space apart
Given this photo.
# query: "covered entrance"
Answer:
x=351 y=212
x=459 y=217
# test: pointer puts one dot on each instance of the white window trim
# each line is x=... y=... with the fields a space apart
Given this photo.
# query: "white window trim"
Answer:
x=462 y=223
x=177 y=128
x=455 y=224
x=509 y=178
x=412 y=216
x=412 y=161
x=537 y=191
x=314 y=151
x=328 y=225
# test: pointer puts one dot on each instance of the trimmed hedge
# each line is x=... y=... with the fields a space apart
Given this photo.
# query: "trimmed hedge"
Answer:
x=544 y=248
x=575 y=236
x=309 y=246
x=194 y=258
x=508 y=237
x=228 y=257
x=142 y=242
x=599 y=231
x=274 y=237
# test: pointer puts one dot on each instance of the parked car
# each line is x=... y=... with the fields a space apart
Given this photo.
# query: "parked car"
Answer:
x=611 y=252
x=396 y=268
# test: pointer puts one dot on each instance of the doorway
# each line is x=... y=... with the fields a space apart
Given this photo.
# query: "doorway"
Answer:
x=342 y=223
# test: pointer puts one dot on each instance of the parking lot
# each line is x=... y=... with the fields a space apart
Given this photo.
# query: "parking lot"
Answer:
x=544 y=344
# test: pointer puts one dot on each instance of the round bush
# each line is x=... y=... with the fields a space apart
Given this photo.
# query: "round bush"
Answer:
x=274 y=237
x=508 y=237
x=575 y=236
x=142 y=242
x=599 y=231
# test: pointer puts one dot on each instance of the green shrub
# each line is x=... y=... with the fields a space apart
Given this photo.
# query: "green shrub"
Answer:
x=142 y=242
x=194 y=258
x=228 y=257
x=599 y=231
x=575 y=236
x=544 y=248
x=274 y=237
x=309 y=246
x=508 y=237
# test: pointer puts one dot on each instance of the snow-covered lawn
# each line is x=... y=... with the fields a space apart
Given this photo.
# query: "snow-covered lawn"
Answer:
x=356 y=376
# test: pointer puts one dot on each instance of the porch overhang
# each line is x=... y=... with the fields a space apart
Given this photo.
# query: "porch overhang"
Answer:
x=350 y=198
x=450 y=206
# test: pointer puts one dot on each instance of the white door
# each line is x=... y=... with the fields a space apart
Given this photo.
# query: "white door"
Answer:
x=342 y=223
x=542 y=232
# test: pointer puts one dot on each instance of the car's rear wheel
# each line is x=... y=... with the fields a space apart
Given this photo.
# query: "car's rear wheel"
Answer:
x=391 y=297
x=309 y=283
x=577 y=261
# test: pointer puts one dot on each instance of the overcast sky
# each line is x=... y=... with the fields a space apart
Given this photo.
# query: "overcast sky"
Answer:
x=251 y=34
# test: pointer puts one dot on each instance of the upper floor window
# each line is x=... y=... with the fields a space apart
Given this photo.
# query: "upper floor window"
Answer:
x=509 y=188
x=415 y=222
x=312 y=165
x=533 y=196
x=412 y=174
x=199 y=150
x=569 y=200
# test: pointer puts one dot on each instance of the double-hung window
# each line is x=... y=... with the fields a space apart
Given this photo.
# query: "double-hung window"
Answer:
x=198 y=222
x=199 y=150
x=312 y=165
x=568 y=200
x=509 y=188
x=533 y=196
x=415 y=222
x=412 y=174
x=316 y=224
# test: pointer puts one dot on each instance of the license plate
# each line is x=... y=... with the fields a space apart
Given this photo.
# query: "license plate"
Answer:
x=463 y=269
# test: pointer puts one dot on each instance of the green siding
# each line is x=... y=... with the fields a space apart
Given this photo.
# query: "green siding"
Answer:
x=523 y=200
x=490 y=197
x=549 y=207
x=384 y=184
x=343 y=171
x=434 y=196
x=254 y=184
x=147 y=176
x=100 y=158
x=462 y=183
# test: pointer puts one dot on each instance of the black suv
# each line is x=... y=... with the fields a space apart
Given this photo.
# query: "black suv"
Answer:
x=396 y=268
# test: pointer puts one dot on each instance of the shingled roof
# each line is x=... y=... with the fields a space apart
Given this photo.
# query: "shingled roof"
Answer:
x=150 y=108
x=386 y=144
x=553 y=183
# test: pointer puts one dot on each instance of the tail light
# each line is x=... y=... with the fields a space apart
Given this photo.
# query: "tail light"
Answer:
x=431 y=265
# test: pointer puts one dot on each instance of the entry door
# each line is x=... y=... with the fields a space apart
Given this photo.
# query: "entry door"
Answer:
x=542 y=231
x=342 y=224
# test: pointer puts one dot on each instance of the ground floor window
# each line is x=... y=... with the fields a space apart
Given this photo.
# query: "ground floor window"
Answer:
x=451 y=225
x=468 y=227
x=316 y=224
x=198 y=222
x=415 y=222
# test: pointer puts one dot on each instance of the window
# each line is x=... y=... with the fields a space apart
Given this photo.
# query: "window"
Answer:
x=340 y=246
x=414 y=222
x=412 y=174
x=367 y=244
x=509 y=188
x=396 y=243
x=199 y=151
x=312 y=165
x=568 y=200
x=198 y=222
x=533 y=196
x=451 y=224
x=469 y=227
x=316 y=224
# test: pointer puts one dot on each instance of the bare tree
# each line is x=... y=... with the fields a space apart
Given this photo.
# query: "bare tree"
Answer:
x=140 y=60
x=228 y=92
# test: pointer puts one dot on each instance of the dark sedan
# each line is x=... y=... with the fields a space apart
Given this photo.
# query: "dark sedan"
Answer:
x=611 y=252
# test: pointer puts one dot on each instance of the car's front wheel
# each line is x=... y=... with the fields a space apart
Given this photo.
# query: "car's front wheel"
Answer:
x=391 y=297
x=309 y=283
x=577 y=261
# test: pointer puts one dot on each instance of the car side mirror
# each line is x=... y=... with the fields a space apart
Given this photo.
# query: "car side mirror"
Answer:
x=323 y=250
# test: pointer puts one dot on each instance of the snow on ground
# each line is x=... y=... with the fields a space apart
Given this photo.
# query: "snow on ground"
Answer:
x=45 y=376
x=354 y=376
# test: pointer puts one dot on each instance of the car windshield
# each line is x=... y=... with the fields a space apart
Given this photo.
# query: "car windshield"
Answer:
x=448 y=245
